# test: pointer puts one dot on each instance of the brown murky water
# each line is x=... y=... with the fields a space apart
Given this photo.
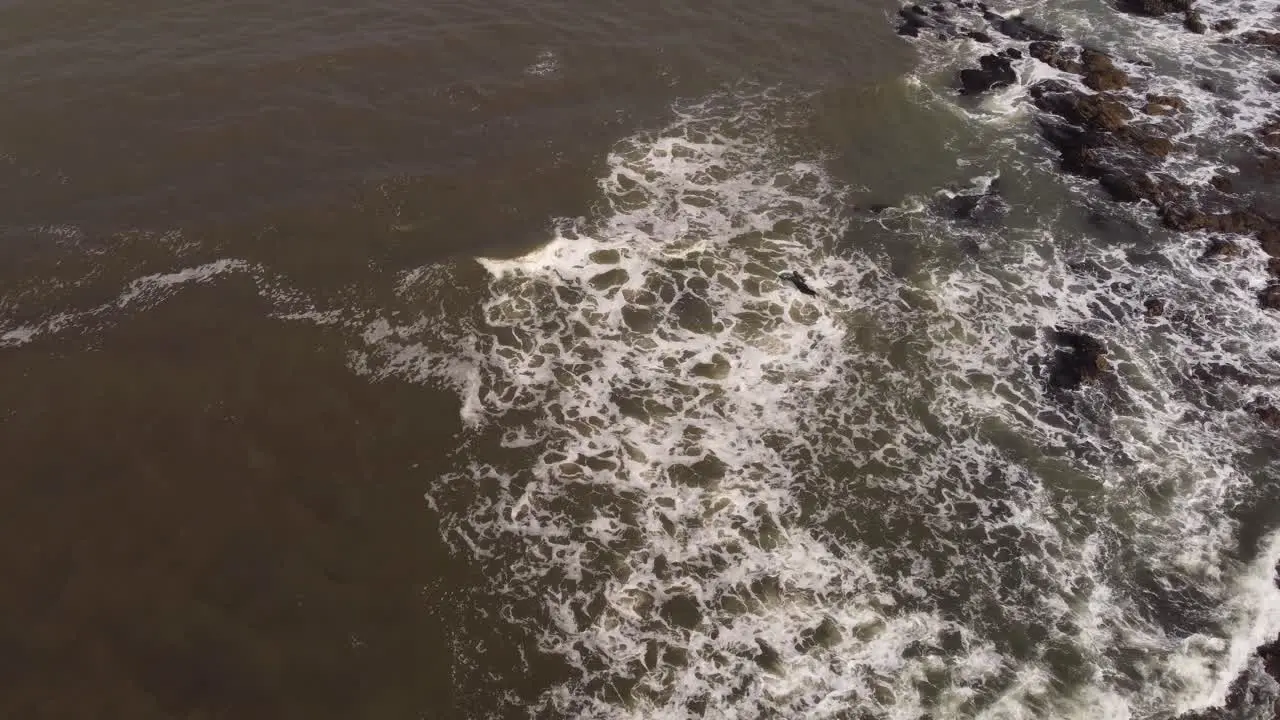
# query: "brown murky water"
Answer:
x=205 y=512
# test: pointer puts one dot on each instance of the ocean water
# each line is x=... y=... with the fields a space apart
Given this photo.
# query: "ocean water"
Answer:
x=604 y=462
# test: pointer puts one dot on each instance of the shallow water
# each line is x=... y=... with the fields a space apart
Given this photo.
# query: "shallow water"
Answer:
x=433 y=362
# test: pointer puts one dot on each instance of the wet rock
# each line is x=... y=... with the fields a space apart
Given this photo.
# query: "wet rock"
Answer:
x=1273 y=267
x=995 y=71
x=1016 y=28
x=1080 y=150
x=1225 y=25
x=1046 y=87
x=1055 y=56
x=978 y=36
x=1221 y=182
x=1195 y=23
x=1269 y=298
x=1274 y=77
x=981 y=207
x=1154 y=307
x=1266 y=164
x=796 y=279
x=1270 y=133
x=1134 y=186
x=1188 y=219
x=1269 y=240
x=1155 y=8
x=1220 y=249
x=1262 y=38
x=1269 y=414
x=1164 y=105
x=1012 y=53
x=1081 y=358
x=1149 y=142
x=1100 y=111
x=913 y=19
x=1100 y=71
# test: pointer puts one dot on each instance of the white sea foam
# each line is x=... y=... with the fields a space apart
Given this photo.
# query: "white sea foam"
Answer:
x=723 y=495
x=140 y=294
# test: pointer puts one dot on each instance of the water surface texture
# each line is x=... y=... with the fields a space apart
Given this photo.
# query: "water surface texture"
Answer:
x=431 y=360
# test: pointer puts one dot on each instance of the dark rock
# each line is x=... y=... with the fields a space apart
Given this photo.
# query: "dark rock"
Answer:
x=1219 y=249
x=1266 y=38
x=1079 y=148
x=1045 y=87
x=1053 y=55
x=1080 y=359
x=1125 y=185
x=1018 y=29
x=1100 y=71
x=995 y=72
x=795 y=278
x=913 y=20
x=1226 y=25
x=1195 y=23
x=1154 y=307
x=1269 y=298
x=1188 y=219
x=1273 y=267
x=981 y=207
x=1269 y=240
x=1012 y=53
x=1267 y=164
x=1163 y=105
x=978 y=36
x=1155 y=8
x=1270 y=133
x=1221 y=182
x=1274 y=77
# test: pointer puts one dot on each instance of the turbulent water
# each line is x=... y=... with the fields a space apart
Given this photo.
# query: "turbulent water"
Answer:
x=711 y=495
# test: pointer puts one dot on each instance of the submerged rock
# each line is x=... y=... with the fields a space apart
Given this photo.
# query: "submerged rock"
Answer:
x=1269 y=414
x=1225 y=25
x=1154 y=307
x=1016 y=28
x=1269 y=240
x=913 y=20
x=1264 y=38
x=796 y=279
x=980 y=206
x=1219 y=249
x=1155 y=8
x=1269 y=133
x=1081 y=358
x=1269 y=298
x=1187 y=219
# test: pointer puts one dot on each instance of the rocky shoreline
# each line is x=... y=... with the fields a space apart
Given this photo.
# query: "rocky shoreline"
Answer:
x=1106 y=128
